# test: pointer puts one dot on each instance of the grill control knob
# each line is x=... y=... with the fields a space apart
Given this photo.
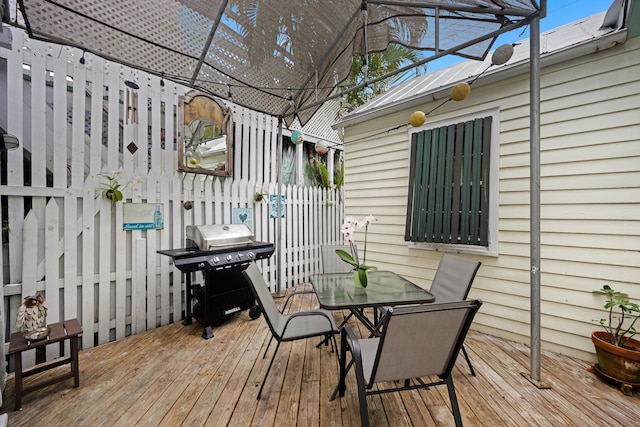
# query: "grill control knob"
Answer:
x=240 y=256
x=216 y=259
x=228 y=258
x=251 y=255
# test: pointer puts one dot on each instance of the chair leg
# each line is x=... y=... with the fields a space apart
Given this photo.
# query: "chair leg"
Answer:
x=466 y=356
x=362 y=396
x=268 y=345
x=454 y=401
x=266 y=374
x=334 y=345
x=342 y=385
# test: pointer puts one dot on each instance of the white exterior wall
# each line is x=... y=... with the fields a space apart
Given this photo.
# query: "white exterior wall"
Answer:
x=590 y=190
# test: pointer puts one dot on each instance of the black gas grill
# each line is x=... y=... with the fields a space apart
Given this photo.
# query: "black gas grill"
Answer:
x=221 y=252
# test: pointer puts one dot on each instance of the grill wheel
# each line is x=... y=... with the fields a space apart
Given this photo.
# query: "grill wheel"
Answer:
x=254 y=312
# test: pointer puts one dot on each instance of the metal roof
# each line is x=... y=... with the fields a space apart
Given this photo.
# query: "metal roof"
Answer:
x=437 y=84
x=280 y=57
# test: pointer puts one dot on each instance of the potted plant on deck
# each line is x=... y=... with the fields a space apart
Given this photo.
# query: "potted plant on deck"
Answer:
x=348 y=230
x=617 y=352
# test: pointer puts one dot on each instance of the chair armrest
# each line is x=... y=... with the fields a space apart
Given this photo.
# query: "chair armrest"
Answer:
x=284 y=307
x=310 y=313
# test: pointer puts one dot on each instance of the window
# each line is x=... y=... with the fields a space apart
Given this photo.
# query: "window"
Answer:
x=450 y=198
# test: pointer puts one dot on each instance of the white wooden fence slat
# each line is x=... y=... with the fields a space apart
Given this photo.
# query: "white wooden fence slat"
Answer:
x=237 y=199
x=177 y=241
x=150 y=273
x=138 y=267
x=120 y=265
x=156 y=124
x=169 y=99
x=244 y=141
x=52 y=278
x=106 y=248
x=196 y=185
x=218 y=201
x=129 y=133
x=264 y=167
x=272 y=238
x=97 y=92
x=208 y=197
x=87 y=296
x=59 y=143
x=299 y=231
x=143 y=123
x=139 y=291
x=288 y=233
x=315 y=219
x=228 y=201
x=165 y=279
x=113 y=83
x=253 y=152
x=29 y=278
x=15 y=172
x=39 y=108
x=77 y=155
x=273 y=151
x=70 y=235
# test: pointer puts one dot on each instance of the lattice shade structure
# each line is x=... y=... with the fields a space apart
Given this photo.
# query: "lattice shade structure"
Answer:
x=280 y=57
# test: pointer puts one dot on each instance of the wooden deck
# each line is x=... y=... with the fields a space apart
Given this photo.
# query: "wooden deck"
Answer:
x=171 y=376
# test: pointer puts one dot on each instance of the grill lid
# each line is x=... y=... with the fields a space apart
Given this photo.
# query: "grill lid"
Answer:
x=208 y=237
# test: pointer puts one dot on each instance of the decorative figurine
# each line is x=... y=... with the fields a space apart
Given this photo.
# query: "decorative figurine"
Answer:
x=31 y=318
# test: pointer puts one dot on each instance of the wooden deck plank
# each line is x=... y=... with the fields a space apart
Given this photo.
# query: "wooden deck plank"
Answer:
x=171 y=376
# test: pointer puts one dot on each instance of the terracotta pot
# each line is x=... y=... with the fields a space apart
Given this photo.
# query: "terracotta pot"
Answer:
x=620 y=363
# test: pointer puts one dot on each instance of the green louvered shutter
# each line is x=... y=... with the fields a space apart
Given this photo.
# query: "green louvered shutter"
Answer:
x=449 y=182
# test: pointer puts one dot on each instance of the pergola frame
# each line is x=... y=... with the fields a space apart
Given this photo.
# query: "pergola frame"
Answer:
x=290 y=88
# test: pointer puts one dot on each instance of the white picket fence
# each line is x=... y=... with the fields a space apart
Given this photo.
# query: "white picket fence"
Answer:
x=61 y=238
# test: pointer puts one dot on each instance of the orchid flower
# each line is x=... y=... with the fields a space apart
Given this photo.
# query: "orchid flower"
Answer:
x=348 y=229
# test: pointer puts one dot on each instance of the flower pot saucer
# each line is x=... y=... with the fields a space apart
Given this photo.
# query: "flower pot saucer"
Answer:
x=625 y=387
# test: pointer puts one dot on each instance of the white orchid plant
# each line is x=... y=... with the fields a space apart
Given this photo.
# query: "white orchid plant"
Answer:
x=348 y=229
x=113 y=190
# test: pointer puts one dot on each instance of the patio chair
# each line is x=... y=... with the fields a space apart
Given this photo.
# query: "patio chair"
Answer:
x=452 y=282
x=288 y=327
x=331 y=263
x=417 y=341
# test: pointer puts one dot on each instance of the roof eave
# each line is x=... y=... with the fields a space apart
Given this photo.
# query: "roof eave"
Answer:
x=586 y=47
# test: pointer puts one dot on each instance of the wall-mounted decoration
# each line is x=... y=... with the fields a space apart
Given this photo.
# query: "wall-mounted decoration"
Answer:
x=243 y=216
x=206 y=135
x=142 y=216
x=273 y=206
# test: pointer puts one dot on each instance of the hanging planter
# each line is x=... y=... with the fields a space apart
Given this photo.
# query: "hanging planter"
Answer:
x=260 y=197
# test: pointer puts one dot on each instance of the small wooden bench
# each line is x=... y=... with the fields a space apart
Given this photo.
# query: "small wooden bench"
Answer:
x=67 y=330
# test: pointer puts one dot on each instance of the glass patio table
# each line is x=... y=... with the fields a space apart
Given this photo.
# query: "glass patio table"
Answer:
x=337 y=291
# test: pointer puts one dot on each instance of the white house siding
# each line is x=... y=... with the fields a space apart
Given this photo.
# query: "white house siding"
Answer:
x=590 y=190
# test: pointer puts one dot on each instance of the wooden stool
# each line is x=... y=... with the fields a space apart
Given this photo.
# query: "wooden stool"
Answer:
x=67 y=330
